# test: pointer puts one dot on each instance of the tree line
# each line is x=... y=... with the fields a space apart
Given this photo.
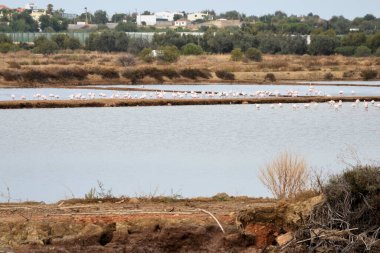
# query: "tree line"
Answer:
x=213 y=41
x=278 y=22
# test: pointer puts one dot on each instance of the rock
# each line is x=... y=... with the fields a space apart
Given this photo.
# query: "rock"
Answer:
x=284 y=239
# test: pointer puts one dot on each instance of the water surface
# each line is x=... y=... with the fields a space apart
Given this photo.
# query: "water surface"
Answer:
x=50 y=154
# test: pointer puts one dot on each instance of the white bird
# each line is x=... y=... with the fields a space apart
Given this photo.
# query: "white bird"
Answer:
x=13 y=97
x=257 y=106
x=280 y=105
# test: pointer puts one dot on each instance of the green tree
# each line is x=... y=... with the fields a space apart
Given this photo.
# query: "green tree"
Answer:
x=354 y=39
x=177 y=16
x=126 y=27
x=323 y=45
x=108 y=41
x=23 y=22
x=253 y=54
x=362 y=51
x=218 y=41
x=293 y=45
x=232 y=15
x=346 y=50
x=192 y=49
x=168 y=54
x=45 y=46
x=270 y=43
x=374 y=41
x=49 y=9
x=340 y=24
x=236 y=54
x=377 y=53
x=118 y=17
x=146 y=55
x=100 y=17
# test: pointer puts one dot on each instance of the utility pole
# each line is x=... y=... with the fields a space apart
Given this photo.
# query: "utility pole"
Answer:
x=85 y=8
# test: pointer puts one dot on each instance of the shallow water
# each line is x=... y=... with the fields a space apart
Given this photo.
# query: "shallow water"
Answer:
x=50 y=154
x=282 y=89
x=344 y=82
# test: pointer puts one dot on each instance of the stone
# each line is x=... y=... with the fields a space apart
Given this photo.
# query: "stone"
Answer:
x=284 y=238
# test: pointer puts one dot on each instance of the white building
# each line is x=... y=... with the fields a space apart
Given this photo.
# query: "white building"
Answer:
x=196 y=16
x=146 y=20
x=167 y=16
x=182 y=22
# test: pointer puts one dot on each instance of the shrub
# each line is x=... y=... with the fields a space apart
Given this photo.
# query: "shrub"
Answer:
x=195 y=73
x=368 y=74
x=34 y=75
x=134 y=75
x=286 y=176
x=6 y=47
x=253 y=54
x=328 y=76
x=45 y=47
x=354 y=196
x=168 y=54
x=362 y=51
x=109 y=74
x=225 y=75
x=270 y=77
x=146 y=55
x=72 y=43
x=170 y=73
x=10 y=76
x=377 y=53
x=346 y=50
x=236 y=54
x=192 y=49
x=348 y=74
x=126 y=60
x=14 y=65
x=79 y=74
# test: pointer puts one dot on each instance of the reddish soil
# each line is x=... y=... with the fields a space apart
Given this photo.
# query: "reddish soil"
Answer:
x=133 y=225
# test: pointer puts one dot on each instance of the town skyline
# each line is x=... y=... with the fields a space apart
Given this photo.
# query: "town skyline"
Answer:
x=349 y=9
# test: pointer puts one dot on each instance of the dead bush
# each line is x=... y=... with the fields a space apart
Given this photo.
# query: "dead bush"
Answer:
x=14 y=65
x=10 y=75
x=286 y=176
x=195 y=73
x=368 y=74
x=270 y=77
x=126 y=61
x=109 y=73
x=328 y=76
x=225 y=75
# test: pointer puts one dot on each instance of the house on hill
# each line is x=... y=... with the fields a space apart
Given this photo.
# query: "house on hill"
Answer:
x=183 y=22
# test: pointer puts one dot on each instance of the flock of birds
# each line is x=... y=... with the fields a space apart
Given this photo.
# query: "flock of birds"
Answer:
x=332 y=104
x=180 y=95
x=196 y=95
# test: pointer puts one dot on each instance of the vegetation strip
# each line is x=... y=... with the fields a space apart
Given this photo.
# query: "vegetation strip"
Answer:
x=166 y=102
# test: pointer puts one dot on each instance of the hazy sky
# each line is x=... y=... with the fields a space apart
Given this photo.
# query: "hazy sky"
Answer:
x=324 y=8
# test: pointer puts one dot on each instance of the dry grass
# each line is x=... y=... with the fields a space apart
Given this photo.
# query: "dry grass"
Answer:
x=286 y=176
x=286 y=67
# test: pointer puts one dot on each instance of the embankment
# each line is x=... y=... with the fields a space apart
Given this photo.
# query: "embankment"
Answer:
x=170 y=102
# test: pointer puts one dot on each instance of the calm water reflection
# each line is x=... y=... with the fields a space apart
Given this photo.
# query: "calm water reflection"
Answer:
x=49 y=154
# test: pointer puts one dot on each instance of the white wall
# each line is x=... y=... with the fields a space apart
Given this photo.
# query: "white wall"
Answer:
x=148 y=19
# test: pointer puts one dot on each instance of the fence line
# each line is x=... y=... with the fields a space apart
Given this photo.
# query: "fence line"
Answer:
x=23 y=37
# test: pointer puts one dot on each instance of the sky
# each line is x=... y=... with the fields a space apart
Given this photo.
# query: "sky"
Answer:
x=324 y=8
